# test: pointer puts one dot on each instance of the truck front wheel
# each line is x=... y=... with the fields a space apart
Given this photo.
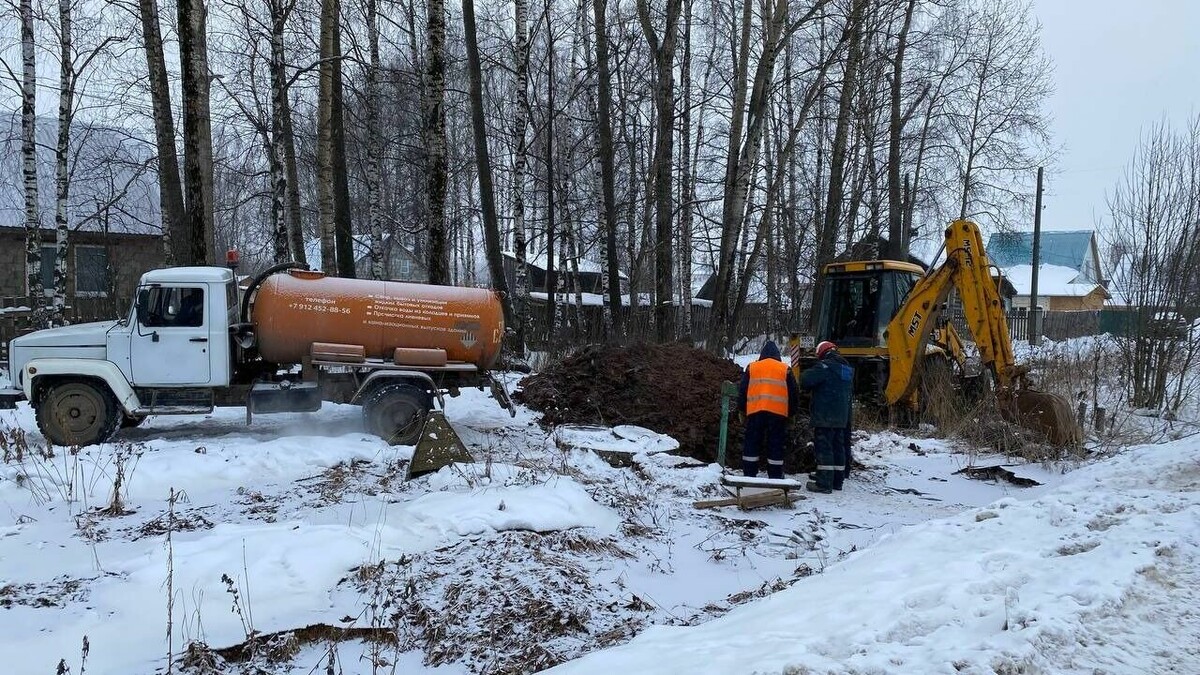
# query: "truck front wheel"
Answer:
x=396 y=412
x=78 y=413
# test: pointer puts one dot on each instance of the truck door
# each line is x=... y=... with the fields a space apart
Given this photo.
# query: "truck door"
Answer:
x=170 y=341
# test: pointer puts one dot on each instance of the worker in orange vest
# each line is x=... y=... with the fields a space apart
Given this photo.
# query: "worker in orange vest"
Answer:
x=768 y=396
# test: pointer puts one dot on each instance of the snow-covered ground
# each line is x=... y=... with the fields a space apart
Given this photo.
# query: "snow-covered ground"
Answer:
x=1099 y=575
x=542 y=552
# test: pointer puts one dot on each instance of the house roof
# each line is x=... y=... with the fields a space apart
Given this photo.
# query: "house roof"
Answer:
x=113 y=186
x=756 y=290
x=926 y=250
x=1058 y=248
x=1053 y=280
x=362 y=249
x=312 y=251
x=539 y=261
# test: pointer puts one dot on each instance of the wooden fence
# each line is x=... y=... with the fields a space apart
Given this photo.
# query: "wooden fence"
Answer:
x=16 y=317
x=586 y=324
x=1055 y=325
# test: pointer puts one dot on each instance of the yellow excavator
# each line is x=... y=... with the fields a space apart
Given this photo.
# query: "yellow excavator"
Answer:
x=886 y=318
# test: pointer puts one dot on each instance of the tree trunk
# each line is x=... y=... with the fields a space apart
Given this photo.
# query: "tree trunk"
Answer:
x=687 y=191
x=33 y=226
x=197 y=130
x=176 y=228
x=374 y=147
x=730 y=221
x=483 y=164
x=664 y=104
x=551 y=271
x=342 y=227
x=279 y=180
x=520 y=122
x=827 y=241
x=434 y=130
x=325 y=112
x=295 y=224
x=742 y=160
x=897 y=249
x=607 y=169
x=66 y=104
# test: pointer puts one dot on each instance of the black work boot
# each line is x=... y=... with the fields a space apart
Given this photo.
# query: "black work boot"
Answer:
x=813 y=487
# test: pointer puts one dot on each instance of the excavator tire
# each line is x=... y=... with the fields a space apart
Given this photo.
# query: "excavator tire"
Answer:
x=1049 y=415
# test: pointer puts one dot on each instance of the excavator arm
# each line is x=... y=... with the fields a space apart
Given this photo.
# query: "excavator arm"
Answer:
x=967 y=270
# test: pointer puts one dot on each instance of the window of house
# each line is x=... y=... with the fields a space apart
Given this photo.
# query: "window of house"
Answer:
x=47 y=269
x=405 y=267
x=91 y=270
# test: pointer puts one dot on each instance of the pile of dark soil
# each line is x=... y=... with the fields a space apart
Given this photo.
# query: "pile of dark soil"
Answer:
x=674 y=389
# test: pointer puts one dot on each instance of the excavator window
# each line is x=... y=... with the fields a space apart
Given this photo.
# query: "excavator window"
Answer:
x=857 y=307
x=852 y=303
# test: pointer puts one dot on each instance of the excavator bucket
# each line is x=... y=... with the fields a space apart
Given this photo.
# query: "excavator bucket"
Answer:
x=439 y=446
x=1047 y=414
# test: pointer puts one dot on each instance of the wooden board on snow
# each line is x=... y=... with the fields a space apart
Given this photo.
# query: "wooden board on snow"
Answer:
x=751 y=493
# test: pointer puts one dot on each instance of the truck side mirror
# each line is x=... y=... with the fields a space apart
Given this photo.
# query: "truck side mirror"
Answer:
x=143 y=307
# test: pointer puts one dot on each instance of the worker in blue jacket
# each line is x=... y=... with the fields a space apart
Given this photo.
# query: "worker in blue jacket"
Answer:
x=831 y=381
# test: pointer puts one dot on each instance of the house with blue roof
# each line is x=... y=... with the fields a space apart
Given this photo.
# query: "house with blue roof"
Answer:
x=1071 y=273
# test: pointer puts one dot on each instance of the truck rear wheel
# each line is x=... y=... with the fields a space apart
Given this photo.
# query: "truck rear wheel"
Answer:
x=78 y=413
x=396 y=412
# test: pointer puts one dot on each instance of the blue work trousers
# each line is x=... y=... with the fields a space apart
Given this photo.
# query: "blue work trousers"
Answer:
x=829 y=447
x=760 y=427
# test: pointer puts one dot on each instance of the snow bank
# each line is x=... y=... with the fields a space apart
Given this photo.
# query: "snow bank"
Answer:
x=1020 y=586
x=285 y=572
x=624 y=438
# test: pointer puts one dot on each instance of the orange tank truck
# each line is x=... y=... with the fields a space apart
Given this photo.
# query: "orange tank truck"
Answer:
x=294 y=309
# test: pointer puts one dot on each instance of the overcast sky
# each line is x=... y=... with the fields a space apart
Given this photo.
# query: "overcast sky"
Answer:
x=1120 y=65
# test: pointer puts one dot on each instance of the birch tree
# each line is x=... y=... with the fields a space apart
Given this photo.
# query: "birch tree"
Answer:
x=29 y=168
x=325 y=112
x=520 y=158
x=433 y=114
x=374 y=141
x=62 y=181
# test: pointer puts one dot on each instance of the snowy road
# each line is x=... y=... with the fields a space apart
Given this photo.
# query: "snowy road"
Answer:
x=295 y=508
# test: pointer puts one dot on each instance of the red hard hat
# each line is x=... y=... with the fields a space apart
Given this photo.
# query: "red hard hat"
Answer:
x=824 y=347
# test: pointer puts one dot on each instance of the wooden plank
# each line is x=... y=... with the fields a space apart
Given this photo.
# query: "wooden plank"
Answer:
x=713 y=503
x=751 y=500
x=766 y=499
x=777 y=483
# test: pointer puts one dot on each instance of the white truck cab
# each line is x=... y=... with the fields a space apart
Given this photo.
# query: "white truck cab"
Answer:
x=84 y=380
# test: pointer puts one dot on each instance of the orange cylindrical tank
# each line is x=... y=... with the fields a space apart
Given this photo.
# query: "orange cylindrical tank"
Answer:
x=292 y=310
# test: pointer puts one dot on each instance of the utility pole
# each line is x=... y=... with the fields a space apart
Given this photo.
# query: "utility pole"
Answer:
x=1035 y=332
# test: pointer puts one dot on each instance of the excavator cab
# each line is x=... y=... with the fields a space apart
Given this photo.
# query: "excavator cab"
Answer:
x=860 y=299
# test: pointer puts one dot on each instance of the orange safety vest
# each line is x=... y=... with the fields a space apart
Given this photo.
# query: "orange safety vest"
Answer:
x=768 y=391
